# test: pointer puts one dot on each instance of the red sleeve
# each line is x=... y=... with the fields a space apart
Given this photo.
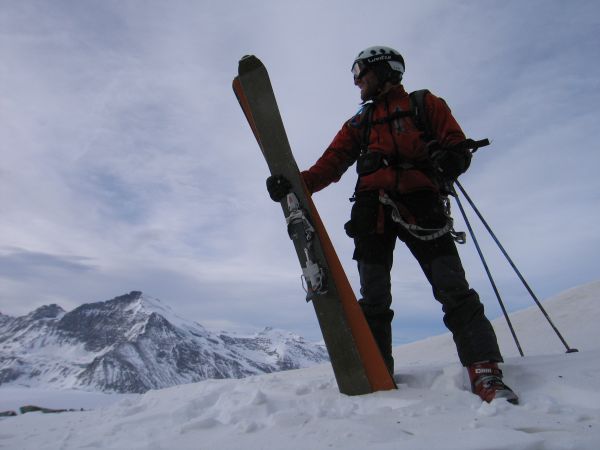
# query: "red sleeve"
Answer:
x=443 y=124
x=341 y=154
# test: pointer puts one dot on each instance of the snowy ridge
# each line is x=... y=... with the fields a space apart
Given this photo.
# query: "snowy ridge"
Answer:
x=134 y=343
x=575 y=312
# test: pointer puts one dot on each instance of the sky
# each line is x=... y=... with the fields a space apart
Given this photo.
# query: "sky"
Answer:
x=126 y=163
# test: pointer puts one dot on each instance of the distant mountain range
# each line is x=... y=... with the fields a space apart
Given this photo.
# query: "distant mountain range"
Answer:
x=134 y=343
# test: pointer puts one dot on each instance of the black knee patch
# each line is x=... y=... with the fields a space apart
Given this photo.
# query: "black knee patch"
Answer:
x=448 y=280
x=377 y=313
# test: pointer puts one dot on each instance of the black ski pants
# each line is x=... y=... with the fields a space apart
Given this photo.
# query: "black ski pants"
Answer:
x=463 y=311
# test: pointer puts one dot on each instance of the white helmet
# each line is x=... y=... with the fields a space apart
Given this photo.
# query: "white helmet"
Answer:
x=377 y=54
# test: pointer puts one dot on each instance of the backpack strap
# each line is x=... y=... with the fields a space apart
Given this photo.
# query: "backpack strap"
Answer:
x=367 y=131
x=419 y=113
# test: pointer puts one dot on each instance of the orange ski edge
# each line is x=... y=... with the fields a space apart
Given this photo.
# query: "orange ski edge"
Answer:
x=239 y=93
x=375 y=367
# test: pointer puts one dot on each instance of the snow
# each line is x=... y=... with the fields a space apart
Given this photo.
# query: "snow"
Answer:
x=149 y=305
x=300 y=409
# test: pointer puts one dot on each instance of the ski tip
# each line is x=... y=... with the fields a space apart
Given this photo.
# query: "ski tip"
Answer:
x=249 y=63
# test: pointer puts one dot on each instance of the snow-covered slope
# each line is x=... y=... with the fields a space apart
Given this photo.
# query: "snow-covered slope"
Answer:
x=302 y=409
x=134 y=343
x=576 y=314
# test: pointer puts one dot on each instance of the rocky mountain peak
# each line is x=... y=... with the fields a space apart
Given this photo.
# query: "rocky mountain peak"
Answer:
x=133 y=343
x=52 y=311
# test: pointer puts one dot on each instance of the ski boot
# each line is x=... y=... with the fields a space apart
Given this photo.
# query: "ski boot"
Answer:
x=486 y=381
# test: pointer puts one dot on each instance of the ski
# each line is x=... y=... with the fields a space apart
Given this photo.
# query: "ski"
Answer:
x=357 y=363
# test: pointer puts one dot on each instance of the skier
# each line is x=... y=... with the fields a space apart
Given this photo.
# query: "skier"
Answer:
x=399 y=195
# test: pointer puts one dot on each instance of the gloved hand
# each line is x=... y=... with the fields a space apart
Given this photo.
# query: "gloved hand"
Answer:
x=278 y=187
x=452 y=162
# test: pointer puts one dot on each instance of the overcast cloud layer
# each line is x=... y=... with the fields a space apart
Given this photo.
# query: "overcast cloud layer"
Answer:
x=127 y=164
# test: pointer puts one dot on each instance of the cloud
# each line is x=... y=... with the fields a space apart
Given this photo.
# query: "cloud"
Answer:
x=16 y=263
x=126 y=162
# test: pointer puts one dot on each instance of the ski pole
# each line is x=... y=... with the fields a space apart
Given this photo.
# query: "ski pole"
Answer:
x=569 y=349
x=487 y=270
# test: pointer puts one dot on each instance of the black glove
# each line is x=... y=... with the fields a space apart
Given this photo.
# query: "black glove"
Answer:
x=452 y=162
x=278 y=187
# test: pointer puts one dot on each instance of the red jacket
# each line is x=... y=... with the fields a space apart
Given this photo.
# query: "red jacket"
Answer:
x=399 y=140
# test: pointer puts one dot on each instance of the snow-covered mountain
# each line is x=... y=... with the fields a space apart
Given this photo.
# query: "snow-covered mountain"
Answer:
x=134 y=343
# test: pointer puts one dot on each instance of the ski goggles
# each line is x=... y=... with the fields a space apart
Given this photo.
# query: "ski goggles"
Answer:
x=359 y=69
